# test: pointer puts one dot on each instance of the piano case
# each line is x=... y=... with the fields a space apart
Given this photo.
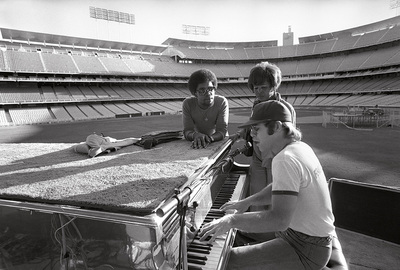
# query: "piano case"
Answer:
x=59 y=210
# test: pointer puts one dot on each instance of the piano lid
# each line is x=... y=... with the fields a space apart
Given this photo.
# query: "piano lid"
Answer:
x=132 y=180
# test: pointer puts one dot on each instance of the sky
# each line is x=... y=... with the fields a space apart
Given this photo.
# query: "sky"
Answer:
x=228 y=20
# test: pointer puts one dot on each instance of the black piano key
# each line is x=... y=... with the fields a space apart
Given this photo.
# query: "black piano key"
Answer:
x=226 y=192
x=200 y=245
x=205 y=240
x=199 y=250
x=217 y=212
x=215 y=215
x=194 y=256
x=218 y=205
x=194 y=267
x=196 y=261
x=222 y=200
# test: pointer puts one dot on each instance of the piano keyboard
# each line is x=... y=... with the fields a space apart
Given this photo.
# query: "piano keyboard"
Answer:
x=203 y=256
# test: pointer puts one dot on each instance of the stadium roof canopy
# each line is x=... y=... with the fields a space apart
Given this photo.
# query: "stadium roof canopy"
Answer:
x=353 y=31
x=208 y=44
x=43 y=38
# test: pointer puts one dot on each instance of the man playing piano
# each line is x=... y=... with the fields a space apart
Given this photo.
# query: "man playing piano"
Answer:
x=300 y=212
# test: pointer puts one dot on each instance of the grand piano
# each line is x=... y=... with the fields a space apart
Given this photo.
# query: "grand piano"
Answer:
x=84 y=231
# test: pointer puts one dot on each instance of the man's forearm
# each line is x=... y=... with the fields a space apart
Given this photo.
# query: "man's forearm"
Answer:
x=257 y=222
x=189 y=135
x=217 y=136
x=263 y=197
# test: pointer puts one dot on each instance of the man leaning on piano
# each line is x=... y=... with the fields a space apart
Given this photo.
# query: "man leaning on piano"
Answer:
x=299 y=218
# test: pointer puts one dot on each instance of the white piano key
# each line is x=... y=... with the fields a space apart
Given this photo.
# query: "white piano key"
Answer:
x=219 y=253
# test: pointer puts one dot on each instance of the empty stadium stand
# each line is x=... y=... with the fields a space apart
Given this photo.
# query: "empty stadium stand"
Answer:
x=44 y=81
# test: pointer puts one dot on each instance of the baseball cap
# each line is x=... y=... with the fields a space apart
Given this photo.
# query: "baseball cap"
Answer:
x=271 y=110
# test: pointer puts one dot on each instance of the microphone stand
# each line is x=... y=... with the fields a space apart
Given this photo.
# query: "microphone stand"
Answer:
x=180 y=201
x=226 y=164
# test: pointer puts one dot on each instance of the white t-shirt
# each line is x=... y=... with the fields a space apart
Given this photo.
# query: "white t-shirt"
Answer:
x=297 y=171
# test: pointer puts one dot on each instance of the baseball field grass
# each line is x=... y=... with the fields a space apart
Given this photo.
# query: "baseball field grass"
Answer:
x=365 y=156
x=359 y=155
